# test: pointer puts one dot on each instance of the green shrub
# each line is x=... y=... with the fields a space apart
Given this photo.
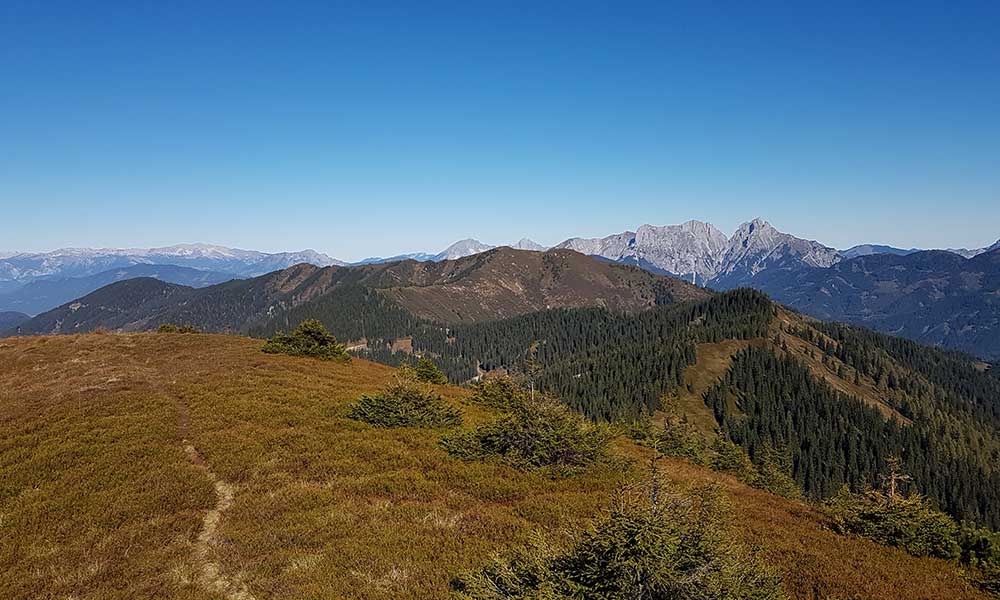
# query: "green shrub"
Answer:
x=911 y=523
x=731 y=458
x=639 y=429
x=525 y=573
x=406 y=372
x=404 y=404
x=907 y=522
x=429 y=372
x=532 y=434
x=773 y=468
x=172 y=328
x=681 y=439
x=648 y=547
x=310 y=338
x=499 y=391
x=980 y=546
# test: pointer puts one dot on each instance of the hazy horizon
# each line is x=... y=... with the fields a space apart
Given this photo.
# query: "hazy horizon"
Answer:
x=443 y=245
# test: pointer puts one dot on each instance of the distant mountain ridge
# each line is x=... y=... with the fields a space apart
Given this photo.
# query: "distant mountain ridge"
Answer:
x=804 y=274
x=499 y=283
x=976 y=252
x=9 y=320
x=83 y=262
x=459 y=249
x=934 y=297
x=49 y=292
x=870 y=249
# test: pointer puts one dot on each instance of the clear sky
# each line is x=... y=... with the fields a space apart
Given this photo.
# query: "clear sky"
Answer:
x=361 y=128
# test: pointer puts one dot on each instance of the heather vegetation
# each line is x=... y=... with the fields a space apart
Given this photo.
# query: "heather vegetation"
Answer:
x=322 y=506
x=405 y=404
x=310 y=338
x=651 y=544
x=613 y=366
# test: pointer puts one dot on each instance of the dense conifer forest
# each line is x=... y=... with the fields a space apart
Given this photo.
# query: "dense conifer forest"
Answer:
x=770 y=401
x=608 y=365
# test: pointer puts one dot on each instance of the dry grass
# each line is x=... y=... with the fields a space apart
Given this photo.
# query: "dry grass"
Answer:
x=98 y=498
x=714 y=360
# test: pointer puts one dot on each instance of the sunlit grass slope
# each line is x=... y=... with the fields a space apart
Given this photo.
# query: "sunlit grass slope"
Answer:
x=99 y=497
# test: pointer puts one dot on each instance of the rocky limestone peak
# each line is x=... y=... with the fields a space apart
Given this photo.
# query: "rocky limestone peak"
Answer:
x=615 y=246
x=757 y=233
x=690 y=250
x=757 y=246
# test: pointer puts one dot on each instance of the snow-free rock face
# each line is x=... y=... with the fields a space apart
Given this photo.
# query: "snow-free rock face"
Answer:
x=700 y=253
x=690 y=250
x=615 y=247
x=757 y=246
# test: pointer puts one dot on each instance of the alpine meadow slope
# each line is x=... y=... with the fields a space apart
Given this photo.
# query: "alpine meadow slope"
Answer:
x=134 y=432
x=613 y=341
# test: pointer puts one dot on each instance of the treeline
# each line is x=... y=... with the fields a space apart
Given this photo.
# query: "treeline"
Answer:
x=766 y=401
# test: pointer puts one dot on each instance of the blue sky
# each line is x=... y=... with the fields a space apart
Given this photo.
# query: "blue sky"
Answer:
x=366 y=128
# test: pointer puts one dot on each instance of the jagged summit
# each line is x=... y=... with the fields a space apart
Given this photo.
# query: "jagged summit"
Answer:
x=697 y=251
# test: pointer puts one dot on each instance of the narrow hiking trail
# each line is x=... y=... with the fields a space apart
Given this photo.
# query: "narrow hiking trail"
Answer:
x=210 y=576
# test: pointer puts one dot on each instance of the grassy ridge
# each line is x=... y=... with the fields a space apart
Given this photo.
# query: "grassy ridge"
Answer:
x=99 y=500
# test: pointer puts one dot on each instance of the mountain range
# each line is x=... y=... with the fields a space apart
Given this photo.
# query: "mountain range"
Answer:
x=934 y=297
x=23 y=268
x=870 y=249
x=46 y=293
x=501 y=282
x=937 y=297
x=615 y=337
x=459 y=249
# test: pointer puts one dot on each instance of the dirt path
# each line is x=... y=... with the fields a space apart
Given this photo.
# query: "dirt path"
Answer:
x=210 y=576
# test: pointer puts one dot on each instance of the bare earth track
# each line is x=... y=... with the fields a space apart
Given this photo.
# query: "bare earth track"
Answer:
x=211 y=577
